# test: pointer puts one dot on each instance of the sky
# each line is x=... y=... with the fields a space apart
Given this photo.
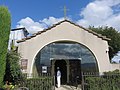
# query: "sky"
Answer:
x=36 y=15
x=41 y=9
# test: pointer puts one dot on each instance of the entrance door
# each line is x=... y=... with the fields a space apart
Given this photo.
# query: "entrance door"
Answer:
x=75 y=71
x=63 y=69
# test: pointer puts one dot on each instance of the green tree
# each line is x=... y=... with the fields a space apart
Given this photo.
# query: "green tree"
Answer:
x=5 y=26
x=114 y=35
x=13 y=72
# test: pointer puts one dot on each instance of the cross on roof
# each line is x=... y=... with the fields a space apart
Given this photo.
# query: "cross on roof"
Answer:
x=65 y=12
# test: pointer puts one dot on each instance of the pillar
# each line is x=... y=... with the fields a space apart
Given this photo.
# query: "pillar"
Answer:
x=68 y=70
x=52 y=67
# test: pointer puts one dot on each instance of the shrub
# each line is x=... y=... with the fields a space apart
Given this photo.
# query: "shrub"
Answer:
x=13 y=72
x=108 y=81
x=40 y=83
x=5 y=26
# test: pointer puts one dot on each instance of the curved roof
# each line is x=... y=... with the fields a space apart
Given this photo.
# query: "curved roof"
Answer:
x=50 y=28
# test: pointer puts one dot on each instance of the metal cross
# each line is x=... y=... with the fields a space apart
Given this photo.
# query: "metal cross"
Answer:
x=65 y=12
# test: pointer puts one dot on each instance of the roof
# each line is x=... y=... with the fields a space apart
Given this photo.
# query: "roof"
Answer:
x=25 y=32
x=45 y=30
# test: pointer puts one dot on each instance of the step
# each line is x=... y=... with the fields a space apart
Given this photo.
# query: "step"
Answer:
x=68 y=87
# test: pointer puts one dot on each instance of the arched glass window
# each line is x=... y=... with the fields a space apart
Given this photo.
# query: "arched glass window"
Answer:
x=67 y=51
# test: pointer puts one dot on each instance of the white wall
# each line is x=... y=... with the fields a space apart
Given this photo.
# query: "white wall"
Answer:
x=66 y=32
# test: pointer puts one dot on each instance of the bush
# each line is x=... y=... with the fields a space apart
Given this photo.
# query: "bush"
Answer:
x=41 y=83
x=108 y=81
x=13 y=72
x=5 y=26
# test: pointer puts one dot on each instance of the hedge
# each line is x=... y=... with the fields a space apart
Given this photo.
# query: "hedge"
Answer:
x=40 y=83
x=5 y=26
x=108 y=81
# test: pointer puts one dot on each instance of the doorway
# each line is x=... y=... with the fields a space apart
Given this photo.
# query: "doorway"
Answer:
x=75 y=71
x=63 y=69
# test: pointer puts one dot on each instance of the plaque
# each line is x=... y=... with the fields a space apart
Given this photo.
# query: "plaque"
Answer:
x=24 y=63
x=44 y=69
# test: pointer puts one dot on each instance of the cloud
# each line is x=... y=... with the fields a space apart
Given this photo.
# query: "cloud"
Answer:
x=34 y=27
x=30 y=25
x=101 y=13
x=96 y=13
x=51 y=20
x=116 y=58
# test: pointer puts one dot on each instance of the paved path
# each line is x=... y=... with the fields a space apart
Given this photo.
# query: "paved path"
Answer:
x=67 y=87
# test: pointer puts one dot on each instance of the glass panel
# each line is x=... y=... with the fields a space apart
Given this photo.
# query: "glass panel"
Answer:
x=69 y=51
x=65 y=50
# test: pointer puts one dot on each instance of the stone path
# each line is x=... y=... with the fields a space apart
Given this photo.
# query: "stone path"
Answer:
x=67 y=87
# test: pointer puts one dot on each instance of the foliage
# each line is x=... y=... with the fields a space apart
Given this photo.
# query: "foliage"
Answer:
x=112 y=72
x=8 y=86
x=108 y=81
x=5 y=26
x=40 y=83
x=113 y=34
x=13 y=72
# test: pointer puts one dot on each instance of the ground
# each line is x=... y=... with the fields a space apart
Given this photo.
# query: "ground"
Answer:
x=66 y=87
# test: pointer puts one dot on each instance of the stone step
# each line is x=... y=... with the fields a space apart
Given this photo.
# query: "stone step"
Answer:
x=67 y=87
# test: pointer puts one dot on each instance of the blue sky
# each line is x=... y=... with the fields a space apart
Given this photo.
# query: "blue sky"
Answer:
x=35 y=15
x=40 y=9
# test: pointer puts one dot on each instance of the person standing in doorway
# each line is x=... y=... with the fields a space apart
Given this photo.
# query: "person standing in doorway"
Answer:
x=58 y=77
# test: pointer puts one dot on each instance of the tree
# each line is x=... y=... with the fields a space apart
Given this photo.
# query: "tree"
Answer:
x=114 y=35
x=13 y=72
x=5 y=26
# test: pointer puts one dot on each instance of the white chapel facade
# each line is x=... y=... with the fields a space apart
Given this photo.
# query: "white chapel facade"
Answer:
x=66 y=34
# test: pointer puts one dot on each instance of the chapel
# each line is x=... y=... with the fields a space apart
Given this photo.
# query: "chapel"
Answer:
x=71 y=47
